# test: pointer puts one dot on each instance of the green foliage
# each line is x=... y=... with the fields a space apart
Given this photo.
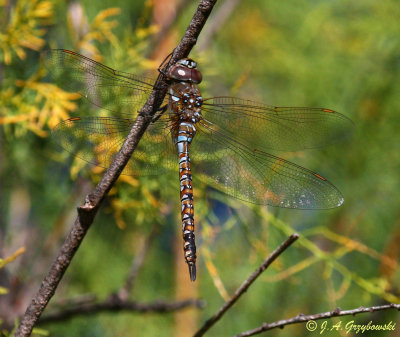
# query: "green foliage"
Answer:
x=4 y=262
x=341 y=55
x=24 y=28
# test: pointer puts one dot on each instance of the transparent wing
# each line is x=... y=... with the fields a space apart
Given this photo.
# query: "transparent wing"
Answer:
x=103 y=86
x=264 y=127
x=256 y=176
x=97 y=139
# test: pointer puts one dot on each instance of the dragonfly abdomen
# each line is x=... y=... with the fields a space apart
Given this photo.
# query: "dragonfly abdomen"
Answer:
x=185 y=134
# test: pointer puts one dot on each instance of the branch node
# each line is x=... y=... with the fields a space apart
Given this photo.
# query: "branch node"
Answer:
x=393 y=305
x=87 y=206
x=202 y=304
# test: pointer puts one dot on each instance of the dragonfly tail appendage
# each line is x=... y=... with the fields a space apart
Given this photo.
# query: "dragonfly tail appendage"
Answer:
x=192 y=271
x=189 y=247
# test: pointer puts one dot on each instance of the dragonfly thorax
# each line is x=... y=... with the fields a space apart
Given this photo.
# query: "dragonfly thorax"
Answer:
x=185 y=102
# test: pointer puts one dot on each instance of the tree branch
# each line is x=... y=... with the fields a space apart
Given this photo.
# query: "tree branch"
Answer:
x=114 y=304
x=87 y=212
x=303 y=318
x=246 y=284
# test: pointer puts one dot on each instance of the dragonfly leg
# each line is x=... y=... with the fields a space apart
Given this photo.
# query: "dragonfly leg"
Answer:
x=162 y=72
x=163 y=63
x=159 y=113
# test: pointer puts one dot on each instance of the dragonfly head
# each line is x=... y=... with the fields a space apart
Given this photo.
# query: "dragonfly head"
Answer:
x=185 y=70
x=187 y=62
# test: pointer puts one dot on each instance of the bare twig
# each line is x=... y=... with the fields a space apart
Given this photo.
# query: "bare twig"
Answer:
x=87 y=212
x=305 y=318
x=75 y=301
x=114 y=304
x=246 y=284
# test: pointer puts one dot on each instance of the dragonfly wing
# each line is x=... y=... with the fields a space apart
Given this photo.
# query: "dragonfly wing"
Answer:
x=256 y=176
x=96 y=140
x=101 y=85
x=264 y=127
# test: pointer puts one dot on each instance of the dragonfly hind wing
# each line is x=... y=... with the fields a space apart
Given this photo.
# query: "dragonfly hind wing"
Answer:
x=258 y=177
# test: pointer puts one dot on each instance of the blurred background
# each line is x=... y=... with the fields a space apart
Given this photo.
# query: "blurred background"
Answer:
x=342 y=55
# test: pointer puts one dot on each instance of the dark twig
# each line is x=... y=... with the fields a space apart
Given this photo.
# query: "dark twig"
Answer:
x=114 y=304
x=246 y=284
x=87 y=212
x=303 y=318
x=75 y=301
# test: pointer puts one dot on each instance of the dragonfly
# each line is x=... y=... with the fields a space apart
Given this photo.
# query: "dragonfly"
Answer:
x=225 y=141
